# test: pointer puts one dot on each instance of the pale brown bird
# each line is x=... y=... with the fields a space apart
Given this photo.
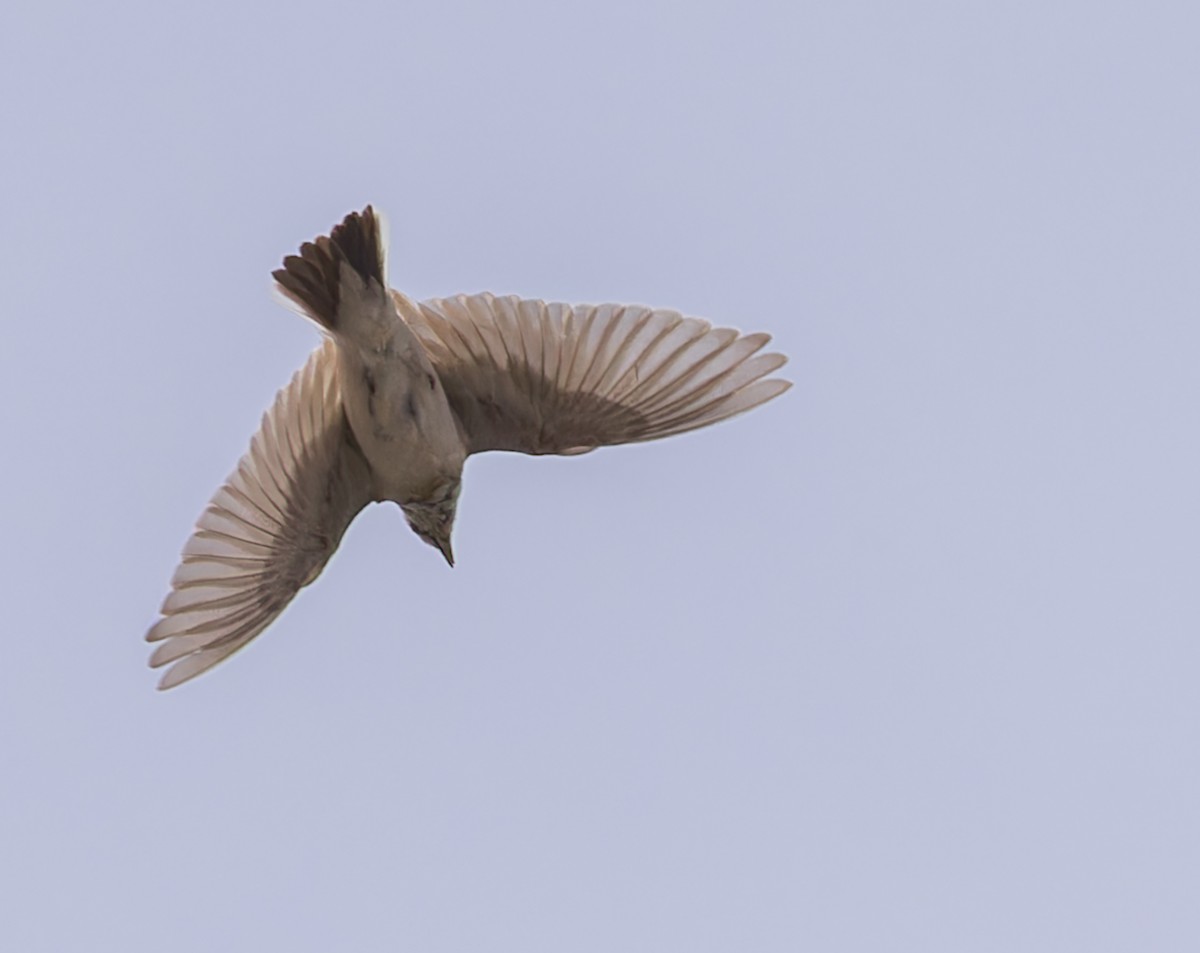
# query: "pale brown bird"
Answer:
x=396 y=398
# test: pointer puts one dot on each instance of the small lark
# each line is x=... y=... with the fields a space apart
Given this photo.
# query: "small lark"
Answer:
x=397 y=397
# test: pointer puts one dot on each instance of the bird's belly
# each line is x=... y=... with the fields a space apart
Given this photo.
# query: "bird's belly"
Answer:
x=404 y=427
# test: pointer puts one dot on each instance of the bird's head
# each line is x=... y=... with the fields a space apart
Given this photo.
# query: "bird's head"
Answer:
x=433 y=519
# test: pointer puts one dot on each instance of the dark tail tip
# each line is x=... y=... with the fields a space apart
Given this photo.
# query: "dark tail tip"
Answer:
x=358 y=237
x=312 y=279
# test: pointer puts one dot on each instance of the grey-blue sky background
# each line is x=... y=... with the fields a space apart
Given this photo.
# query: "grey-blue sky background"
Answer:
x=906 y=660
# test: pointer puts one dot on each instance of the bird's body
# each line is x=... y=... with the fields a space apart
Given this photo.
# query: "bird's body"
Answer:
x=396 y=410
x=398 y=396
x=405 y=430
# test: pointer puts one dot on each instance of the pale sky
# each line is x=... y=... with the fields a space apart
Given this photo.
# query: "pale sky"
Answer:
x=906 y=660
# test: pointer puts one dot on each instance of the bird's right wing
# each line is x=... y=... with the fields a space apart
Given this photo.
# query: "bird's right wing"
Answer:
x=269 y=530
x=541 y=377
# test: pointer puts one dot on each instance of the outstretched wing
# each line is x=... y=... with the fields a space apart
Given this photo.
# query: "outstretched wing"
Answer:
x=540 y=377
x=269 y=530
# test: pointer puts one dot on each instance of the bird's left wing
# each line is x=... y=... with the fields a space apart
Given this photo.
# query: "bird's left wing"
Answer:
x=269 y=530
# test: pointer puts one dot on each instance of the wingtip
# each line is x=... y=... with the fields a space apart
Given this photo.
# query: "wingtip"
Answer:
x=166 y=683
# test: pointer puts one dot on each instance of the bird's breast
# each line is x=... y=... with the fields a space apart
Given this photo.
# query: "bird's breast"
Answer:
x=402 y=421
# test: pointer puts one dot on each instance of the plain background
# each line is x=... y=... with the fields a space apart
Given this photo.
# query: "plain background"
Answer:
x=906 y=660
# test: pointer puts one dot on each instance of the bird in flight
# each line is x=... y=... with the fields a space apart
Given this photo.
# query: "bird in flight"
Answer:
x=396 y=398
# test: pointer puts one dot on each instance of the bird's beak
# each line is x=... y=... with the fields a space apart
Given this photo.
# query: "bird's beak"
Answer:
x=444 y=546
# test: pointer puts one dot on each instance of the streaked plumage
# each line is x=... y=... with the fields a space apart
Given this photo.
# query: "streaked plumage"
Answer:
x=395 y=399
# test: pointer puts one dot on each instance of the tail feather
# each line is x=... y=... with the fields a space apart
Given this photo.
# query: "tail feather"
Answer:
x=313 y=279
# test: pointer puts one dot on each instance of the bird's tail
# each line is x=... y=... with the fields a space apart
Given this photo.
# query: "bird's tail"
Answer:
x=334 y=277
